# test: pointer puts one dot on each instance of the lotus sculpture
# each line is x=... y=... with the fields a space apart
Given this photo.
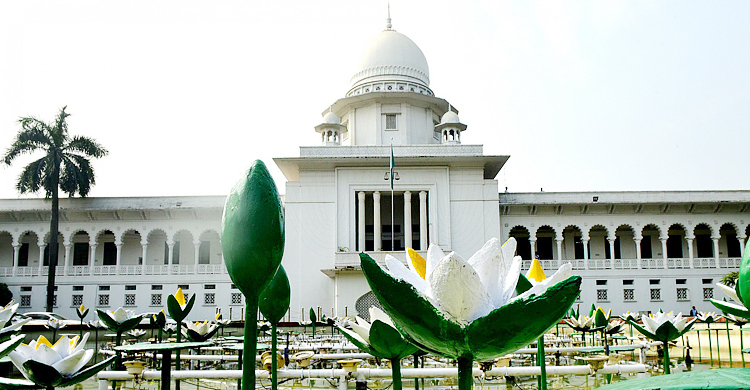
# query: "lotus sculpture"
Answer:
x=200 y=331
x=380 y=338
x=8 y=327
x=465 y=310
x=48 y=365
x=740 y=293
x=664 y=327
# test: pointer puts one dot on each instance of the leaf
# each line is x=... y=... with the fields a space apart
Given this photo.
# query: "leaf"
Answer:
x=731 y=308
x=130 y=324
x=275 y=298
x=41 y=374
x=388 y=341
x=520 y=322
x=523 y=284
x=108 y=321
x=17 y=384
x=252 y=231
x=423 y=324
x=12 y=345
x=358 y=341
x=175 y=311
x=87 y=373
x=313 y=317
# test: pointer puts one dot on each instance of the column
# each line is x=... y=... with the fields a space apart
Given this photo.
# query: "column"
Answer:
x=68 y=250
x=638 y=251
x=407 y=219
x=423 y=220
x=664 y=250
x=741 y=239
x=92 y=259
x=170 y=250
x=144 y=252
x=559 y=242
x=611 y=247
x=197 y=247
x=361 y=222
x=118 y=260
x=690 y=250
x=585 y=242
x=377 y=232
x=716 y=250
x=532 y=243
x=42 y=247
x=16 y=253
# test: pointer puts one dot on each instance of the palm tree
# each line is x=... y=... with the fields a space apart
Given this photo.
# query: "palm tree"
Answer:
x=65 y=166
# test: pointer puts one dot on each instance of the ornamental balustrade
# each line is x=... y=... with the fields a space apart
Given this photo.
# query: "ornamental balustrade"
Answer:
x=678 y=263
x=704 y=262
x=729 y=262
x=626 y=264
x=78 y=270
x=157 y=269
x=351 y=259
x=105 y=270
x=6 y=271
x=130 y=270
x=59 y=270
x=600 y=264
x=211 y=269
x=181 y=269
x=652 y=263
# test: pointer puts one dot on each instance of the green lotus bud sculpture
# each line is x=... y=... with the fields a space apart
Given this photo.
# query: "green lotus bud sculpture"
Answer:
x=274 y=303
x=252 y=240
x=465 y=310
x=380 y=338
x=664 y=327
x=740 y=293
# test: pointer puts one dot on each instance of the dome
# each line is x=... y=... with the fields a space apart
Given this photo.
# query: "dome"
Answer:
x=449 y=117
x=391 y=57
x=331 y=119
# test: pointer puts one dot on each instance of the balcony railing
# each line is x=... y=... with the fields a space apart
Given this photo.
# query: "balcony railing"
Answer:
x=78 y=270
x=351 y=259
x=212 y=269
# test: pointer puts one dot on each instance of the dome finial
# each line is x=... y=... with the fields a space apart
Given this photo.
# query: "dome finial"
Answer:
x=388 y=24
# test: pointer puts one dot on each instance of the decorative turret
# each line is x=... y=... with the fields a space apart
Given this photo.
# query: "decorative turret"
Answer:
x=331 y=129
x=450 y=128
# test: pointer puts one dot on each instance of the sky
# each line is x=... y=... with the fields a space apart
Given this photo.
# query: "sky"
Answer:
x=583 y=95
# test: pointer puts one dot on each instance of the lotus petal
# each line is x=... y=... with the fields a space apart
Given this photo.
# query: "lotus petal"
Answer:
x=399 y=271
x=67 y=365
x=730 y=291
x=458 y=289
x=434 y=255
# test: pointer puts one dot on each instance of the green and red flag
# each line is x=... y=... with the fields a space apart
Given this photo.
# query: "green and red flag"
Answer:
x=393 y=165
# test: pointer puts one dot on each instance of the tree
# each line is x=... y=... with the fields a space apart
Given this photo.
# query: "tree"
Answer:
x=5 y=294
x=64 y=166
x=730 y=279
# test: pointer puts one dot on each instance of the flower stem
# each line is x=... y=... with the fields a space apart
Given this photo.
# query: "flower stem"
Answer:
x=667 y=363
x=396 y=373
x=274 y=375
x=465 y=373
x=250 y=342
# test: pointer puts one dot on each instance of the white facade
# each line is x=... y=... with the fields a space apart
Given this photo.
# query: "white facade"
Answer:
x=635 y=251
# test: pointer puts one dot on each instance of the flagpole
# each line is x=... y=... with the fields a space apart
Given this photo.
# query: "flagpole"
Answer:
x=393 y=233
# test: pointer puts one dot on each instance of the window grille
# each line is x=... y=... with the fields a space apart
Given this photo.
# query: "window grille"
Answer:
x=54 y=300
x=77 y=300
x=682 y=294
x=103 y=300
x=155 y=299
x=390 y=122
x=129 y=299
x=628 y=294
x=209 y=298
x=25 y=300
x=708 y=293
x=656 y=294
x=236 y=298
x=601 y=295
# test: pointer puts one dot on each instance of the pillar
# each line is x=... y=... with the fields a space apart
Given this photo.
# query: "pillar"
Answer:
x=559 y=242
x=16 y=254
x=532 y=244
x=423 y=220
x=611 y=247
x=170 y=255
x=144 y=252
x=741 y=239
x=68 y=250
x=585 y=242
x=118 y=260
x=378 y=227
x=361 y=222
x=92 y=259
x=690 y=250
x=664 y=250
x=638 y=251
x=197 y=247
x=716 y=250
x=42 y=247
x=407 y=219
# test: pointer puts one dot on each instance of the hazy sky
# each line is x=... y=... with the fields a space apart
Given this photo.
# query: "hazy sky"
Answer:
x=584 y=96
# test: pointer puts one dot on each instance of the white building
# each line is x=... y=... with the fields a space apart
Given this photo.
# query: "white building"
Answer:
x=636 y=251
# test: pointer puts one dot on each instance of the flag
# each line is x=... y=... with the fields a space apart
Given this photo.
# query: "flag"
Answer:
x=393 y=165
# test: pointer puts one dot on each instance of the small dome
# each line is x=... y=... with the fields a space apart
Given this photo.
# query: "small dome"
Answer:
x=331 y=119
x=392 y=56
x=449 y=117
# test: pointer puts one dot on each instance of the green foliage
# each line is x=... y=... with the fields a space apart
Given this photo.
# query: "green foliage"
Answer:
x=730 y=279
x=64 y=165
x=5 y=294
x=275 y=298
